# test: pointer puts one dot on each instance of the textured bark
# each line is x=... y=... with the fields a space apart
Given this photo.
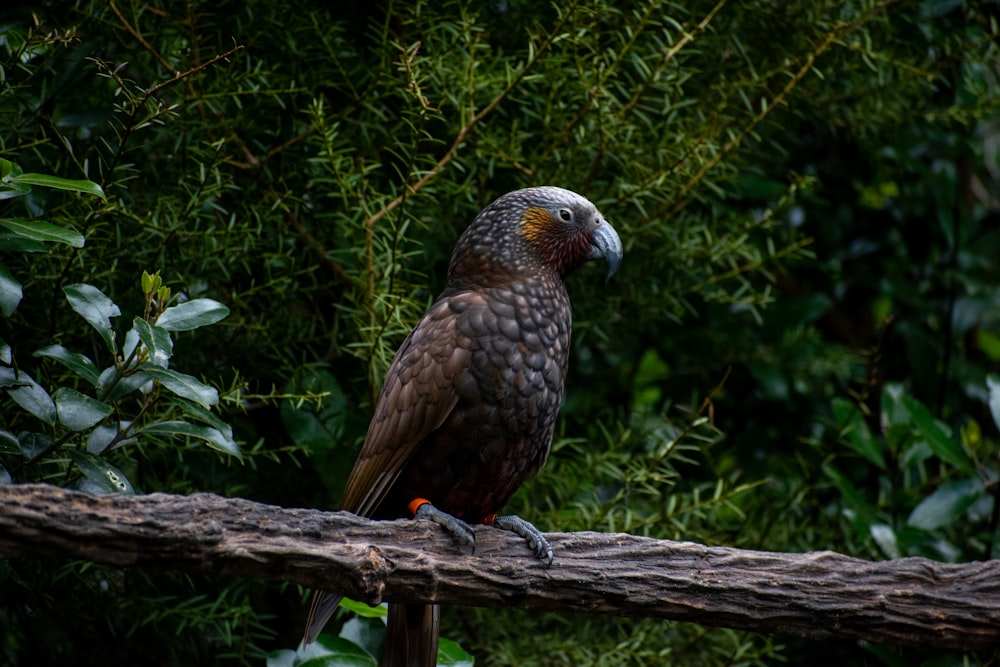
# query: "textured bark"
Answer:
x=909 y=601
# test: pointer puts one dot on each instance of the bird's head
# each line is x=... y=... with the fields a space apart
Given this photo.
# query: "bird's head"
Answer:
x=544 y=228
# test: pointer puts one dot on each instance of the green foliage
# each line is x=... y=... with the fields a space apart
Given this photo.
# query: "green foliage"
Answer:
x=795 y=355
x=359 y=644
x=935 y=490
x=123 y=406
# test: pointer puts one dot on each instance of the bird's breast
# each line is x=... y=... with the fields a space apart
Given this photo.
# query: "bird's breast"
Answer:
x=509 y=395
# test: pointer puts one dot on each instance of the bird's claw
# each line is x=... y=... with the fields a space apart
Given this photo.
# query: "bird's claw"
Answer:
x=453 y=525
x=536 y=541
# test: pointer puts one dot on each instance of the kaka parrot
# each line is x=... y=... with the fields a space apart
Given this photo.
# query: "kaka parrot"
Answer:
x=469 y=403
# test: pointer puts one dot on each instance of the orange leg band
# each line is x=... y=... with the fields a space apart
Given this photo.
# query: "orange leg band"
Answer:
x=489 y=519
x=416 y=503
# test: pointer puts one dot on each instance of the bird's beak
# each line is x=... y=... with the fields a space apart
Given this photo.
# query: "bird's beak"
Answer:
x=606 y=245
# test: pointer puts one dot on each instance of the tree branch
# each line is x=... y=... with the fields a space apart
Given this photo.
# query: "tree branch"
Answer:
x=908 y=601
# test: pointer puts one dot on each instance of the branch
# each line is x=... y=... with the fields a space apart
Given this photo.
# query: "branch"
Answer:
x=909 y=601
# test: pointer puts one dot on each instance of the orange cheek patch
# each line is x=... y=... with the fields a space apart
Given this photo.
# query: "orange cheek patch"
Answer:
x=536 y=224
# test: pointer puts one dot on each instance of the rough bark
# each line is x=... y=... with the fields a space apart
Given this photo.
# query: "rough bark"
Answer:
x=908 y=601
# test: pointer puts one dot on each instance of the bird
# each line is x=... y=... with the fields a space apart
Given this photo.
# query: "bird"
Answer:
x=469 y=403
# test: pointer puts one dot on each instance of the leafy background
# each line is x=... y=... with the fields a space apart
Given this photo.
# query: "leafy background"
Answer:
x=796 y=354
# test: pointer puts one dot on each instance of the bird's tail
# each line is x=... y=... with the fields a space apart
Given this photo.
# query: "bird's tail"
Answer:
x=411 y=636
x=320 y=610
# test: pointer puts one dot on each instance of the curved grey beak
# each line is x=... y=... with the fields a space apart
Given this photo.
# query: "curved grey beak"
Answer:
x=606 y=245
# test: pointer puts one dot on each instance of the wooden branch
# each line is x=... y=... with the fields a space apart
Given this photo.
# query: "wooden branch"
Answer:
x=909 y=601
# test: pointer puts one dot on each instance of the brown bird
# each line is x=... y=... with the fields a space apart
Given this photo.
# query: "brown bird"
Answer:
x=469 y=403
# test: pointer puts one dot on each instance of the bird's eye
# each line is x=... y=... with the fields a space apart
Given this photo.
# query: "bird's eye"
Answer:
x=565 y=214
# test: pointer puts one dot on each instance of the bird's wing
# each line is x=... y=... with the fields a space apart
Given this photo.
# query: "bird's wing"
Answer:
x=420 y=392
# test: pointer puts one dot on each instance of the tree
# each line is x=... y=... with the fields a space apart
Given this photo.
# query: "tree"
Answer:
x=794 y=356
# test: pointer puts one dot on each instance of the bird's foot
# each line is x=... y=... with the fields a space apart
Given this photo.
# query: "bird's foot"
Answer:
x=423 y=509
x=515 y=524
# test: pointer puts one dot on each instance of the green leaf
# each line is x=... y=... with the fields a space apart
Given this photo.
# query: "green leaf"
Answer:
x=10 y=190
x=56 y=183
x=106 y=435
x=6 y=355
x=337 y=652
x=368 y=633
x=28 y=394
x=364 y=609
x=33 y=445
x=885 y=538
x=946 y=448
x=947 y=504
x=11 y=242
x=989 y=343
x=78 y=363
x=78 y=411
x=213 y=437
x=9 y=443
x=451 y=654
x=8 y=168
x=183 y=385
x=123 y=386
x=5 y=477
x=283 y=657
x=104 y=478
x=39 y=230
x=856 y=433
x=95 y=307
x=191 y=315
x=204 y=415
x=10 y=291
x=852 y=498
x=157 y=341
x=993 y=384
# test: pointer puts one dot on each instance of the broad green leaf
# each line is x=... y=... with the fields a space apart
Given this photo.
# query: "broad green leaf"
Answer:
x=103 y=477
x=9 y=443
x=10 y=291
x=28 y=394
x=993 y=384
x=46 y=181
x=204 y=415
x=893 y=411
x=885 y=538
x=451 y=654
x=337 y=652
x=5 y=477
x=111 y=387
x=211 y=436
x=948 y=449
x=10 y=190
x=947 y=504
x=11 y=242
x=128 y=347
x=78 y=411
x=183 y=385
x=6 y=355
x=8 y=168
x=364 y=609
x=96 y=308
x=104 y=436
x=157 y=341
x=33 y=445
x=857 y=435
x=283 y=657
x=191 y=315
x=368 y=633
x=39 y=230
x=78 y=363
